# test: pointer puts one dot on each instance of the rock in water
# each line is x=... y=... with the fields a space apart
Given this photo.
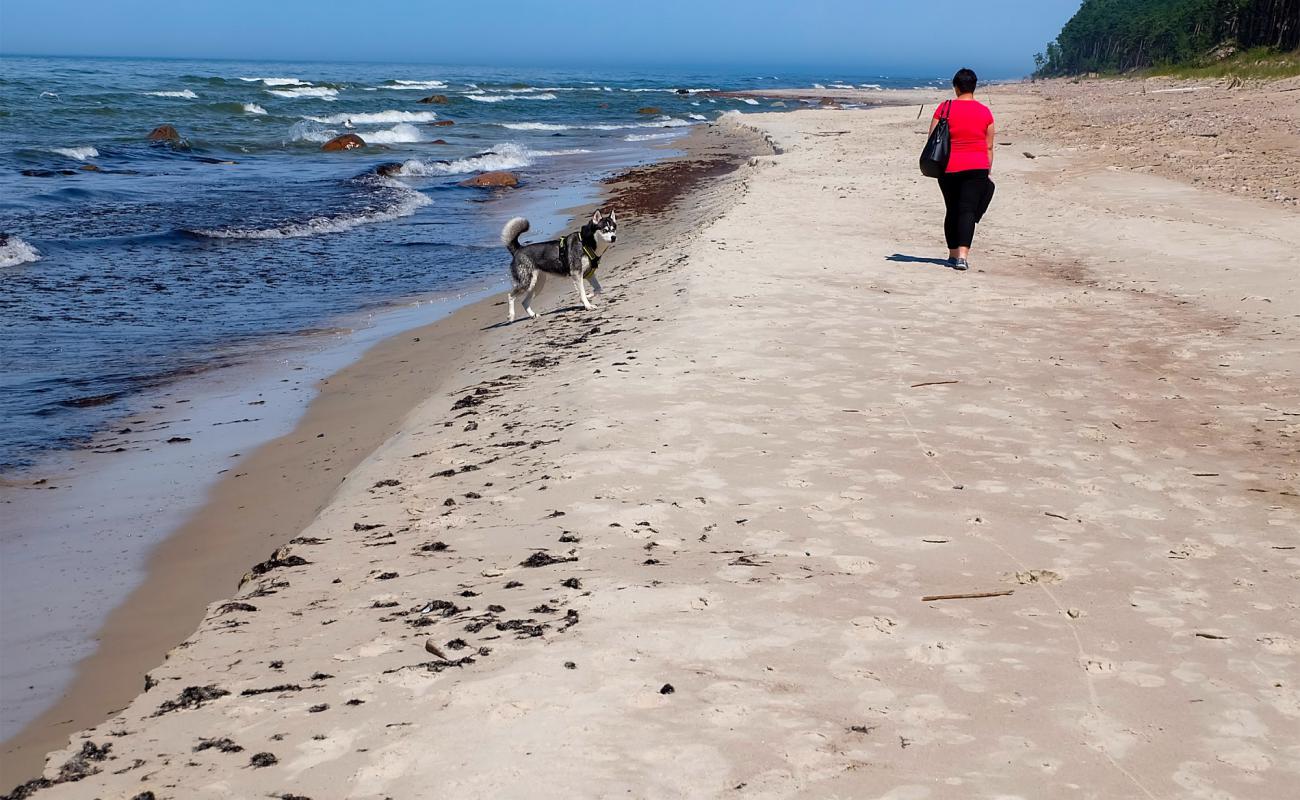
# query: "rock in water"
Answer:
x=389 y=169
x=164 y=133
x=348 y=141
x=434 y=99
x=493 y=180
x=444 y=123
x=650 y=110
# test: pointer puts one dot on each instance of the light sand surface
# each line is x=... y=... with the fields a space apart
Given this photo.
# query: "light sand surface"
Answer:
x=782 y=429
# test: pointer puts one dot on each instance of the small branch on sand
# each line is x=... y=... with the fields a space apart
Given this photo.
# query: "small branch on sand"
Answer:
x=933 y=383
x=1056 y=516
x=967 y=596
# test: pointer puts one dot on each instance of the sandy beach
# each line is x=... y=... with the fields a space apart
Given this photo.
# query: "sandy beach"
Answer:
x=682 y=546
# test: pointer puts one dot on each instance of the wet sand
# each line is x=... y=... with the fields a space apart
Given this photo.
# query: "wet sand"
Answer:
x=801 y=512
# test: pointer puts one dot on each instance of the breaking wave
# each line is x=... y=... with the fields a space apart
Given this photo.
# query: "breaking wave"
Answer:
x=662 y=122
x=253 y=108
x=79 y=153
x=646 y=137
x=310 y=131
x=402 y=132
x=277 y=81
x=414 y=85
x=377 y=117
x=185 y=93
x=14 y=251
x=407 y=203
x=322 y=92
x=749 y=101
x=501 y=98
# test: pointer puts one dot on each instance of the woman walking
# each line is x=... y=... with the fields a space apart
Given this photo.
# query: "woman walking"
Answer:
x=965 y=184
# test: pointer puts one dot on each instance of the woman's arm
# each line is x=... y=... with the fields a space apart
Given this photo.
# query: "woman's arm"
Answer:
x=933 y=122
x=990 y=136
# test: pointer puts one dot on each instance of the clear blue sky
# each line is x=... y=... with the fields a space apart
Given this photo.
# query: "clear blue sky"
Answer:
x=914 y=37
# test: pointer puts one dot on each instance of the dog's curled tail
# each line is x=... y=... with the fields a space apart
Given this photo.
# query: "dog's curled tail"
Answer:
x=512 y=231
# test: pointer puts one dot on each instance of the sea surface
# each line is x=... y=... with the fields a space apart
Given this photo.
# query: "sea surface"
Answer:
x=129 y=264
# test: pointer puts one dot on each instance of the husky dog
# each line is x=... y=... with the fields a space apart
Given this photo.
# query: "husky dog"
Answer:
x=575 y=256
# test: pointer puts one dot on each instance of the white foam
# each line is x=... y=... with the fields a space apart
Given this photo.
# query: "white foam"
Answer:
x=503 y=156
x=322 y=92
x=748 y=101
x=253 y=108
x=699 y=117
x=500 y=98
x=818 y=86
x=311 y=131
x=416 y=85
x=661 y=122
x=409 y=203
x=185 y=93
x=377 y=117
x=15 y=251
x=645 y=137
x=401 y=132
x=79 y=153
x=277 y=81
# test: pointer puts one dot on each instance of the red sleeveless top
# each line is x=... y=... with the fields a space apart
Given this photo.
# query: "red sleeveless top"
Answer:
x=968 y=124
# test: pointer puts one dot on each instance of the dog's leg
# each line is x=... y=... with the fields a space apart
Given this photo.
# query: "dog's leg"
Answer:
x=595 y=285
x=510 y=296
x=582 y=292
x=534 y=287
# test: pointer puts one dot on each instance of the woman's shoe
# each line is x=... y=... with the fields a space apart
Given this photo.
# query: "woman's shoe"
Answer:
x=960 y=264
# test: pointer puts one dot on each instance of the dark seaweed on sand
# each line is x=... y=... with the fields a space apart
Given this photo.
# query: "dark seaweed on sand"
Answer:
x=191 y=697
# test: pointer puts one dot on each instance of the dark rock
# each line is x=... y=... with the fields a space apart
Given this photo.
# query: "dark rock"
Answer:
x=164 y=133
x=444 y=123
x=389 y=169
x=434 y=99
x=348 y=141
x=650 y=110
x=492 y=180
x=89 y=168
x=667 y=688
x=438 y=141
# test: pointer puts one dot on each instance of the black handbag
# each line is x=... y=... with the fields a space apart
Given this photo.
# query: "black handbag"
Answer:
x=938 y=148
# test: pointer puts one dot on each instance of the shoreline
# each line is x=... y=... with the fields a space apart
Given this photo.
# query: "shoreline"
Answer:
x=802 y=512
x=186 y=571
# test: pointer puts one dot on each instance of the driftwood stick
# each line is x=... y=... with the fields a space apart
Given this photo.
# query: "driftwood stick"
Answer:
x=966 y=596
x=933 y=383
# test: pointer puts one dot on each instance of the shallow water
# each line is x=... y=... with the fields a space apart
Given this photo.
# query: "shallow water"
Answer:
x=170 y=260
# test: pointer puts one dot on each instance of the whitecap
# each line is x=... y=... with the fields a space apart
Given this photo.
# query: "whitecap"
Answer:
x=311 y=131
x=322 y=92
x=661 y=122
x=408 y=203
x=14 y=251
x=277 y=81
x=699 y=117
x=646 y=137
x=499 y=98
x=536 y=126
x=402 y=132
x=253 y=108
x=79 y=153
x=503 y=156
x=185 y=93
x=748 y=101
x=416 y=85
x=377 y=117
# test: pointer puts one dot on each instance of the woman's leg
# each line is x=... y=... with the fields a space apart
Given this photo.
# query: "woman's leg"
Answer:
x=950 y=186
x=970 y=196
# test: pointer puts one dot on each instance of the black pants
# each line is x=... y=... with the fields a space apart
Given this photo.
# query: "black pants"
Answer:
x=966 y=195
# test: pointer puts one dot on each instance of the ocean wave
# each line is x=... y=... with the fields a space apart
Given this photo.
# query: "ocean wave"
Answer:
x=377 y=117
x=661 y=122
x=277 y=81
x=749 y=101
x=185 y=93
x=698 y=117
x=310 y=131
x=646 y=137
x=321 y=92
x=503 y=156
x=407 y=203
x=253 y=108
x=14 y=251
x=399 y=84
x=501 y=98
x=79 y=153
x=402 y=132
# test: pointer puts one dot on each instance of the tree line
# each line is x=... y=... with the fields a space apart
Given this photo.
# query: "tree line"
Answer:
x=1121 y=35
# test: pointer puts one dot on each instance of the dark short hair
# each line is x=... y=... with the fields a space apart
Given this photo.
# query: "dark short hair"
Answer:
x=965 y=80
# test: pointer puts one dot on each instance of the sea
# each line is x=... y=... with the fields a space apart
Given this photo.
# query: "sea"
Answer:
x=130 y=267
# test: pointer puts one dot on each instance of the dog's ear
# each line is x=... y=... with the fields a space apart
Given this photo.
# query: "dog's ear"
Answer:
x=595 y=218
x=613 y=217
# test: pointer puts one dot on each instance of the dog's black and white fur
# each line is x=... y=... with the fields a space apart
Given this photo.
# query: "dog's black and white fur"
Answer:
x=571 y=256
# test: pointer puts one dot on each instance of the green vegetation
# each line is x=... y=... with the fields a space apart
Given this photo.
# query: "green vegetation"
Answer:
x=1251 y=38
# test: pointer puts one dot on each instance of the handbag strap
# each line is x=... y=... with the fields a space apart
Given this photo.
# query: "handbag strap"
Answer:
x=947 y=109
